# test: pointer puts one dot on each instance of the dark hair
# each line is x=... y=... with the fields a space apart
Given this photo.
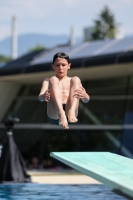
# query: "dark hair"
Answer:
x=61 y=55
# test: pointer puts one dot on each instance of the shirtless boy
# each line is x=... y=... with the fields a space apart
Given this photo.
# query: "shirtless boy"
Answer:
x=62 y=93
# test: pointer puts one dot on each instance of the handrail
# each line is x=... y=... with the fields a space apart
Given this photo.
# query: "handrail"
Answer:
x=43 y=126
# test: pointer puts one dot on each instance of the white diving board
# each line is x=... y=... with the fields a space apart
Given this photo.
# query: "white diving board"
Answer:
x=111 y=169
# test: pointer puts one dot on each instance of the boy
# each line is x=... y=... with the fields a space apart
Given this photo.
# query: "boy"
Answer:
x=62 y=93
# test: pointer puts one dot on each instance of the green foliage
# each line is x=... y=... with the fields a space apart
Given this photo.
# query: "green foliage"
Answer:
x=4 y=59
x=104 y=27
x=37 y=48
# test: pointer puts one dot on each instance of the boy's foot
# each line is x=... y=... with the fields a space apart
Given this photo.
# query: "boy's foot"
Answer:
x=63 y=120
x=71 y=117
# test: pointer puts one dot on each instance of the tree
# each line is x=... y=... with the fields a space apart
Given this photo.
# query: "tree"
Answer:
x=104 y=26
x=37 y=48
x=4 y=59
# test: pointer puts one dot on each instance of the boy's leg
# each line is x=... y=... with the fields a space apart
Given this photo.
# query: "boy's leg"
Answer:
x=55 y=94
x=72 y=104
x=52 y=110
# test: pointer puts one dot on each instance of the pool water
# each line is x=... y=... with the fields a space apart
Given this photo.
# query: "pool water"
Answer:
x=33 y=191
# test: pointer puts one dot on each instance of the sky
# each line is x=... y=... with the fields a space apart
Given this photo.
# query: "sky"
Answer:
x=55 y=17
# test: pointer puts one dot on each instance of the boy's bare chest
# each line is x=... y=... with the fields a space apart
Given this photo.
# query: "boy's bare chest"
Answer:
x=65 y=85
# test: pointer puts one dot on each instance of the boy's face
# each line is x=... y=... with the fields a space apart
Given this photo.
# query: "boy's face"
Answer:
x=61 y=67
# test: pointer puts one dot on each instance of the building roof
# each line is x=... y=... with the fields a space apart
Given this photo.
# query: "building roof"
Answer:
x=87 y=54
x=88 y=49
x=21 y=62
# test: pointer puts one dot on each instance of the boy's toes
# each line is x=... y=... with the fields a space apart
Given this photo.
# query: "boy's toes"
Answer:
x=73 y=120
x=65 y=126
x=71 y=117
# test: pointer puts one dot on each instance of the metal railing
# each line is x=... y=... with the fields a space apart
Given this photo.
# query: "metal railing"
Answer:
x=98 y=127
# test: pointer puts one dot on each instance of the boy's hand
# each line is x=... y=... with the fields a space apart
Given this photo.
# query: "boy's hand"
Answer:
x=81 y=94
x=47 y=96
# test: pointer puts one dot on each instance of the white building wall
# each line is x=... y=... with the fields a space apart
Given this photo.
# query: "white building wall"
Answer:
x=87 y=33
x=14 y=46
x=119 y=32
x=8 y=91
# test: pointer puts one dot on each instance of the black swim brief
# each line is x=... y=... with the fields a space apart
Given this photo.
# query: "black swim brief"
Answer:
x=54 y=121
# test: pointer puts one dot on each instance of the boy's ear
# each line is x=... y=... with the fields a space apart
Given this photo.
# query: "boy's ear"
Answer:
x=52 y=66
x=69 y=66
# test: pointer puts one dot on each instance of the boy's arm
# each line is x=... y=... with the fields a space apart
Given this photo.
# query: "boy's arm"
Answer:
x=44 y=88
x=86 y=97
x=81 y=94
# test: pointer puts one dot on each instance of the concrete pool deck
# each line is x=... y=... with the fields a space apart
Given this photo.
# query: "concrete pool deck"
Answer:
x=61 y=177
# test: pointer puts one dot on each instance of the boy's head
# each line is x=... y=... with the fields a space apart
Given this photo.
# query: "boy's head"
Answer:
x=61 y=55
x=61 y=64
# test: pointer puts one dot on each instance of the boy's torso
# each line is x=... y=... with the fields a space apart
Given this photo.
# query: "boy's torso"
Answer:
x=64 y=85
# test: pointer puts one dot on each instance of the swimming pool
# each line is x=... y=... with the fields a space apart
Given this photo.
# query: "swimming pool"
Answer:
x=33 y=191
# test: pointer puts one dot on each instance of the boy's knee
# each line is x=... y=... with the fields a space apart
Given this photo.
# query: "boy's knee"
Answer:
x=54 y=79
x=75 y=79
